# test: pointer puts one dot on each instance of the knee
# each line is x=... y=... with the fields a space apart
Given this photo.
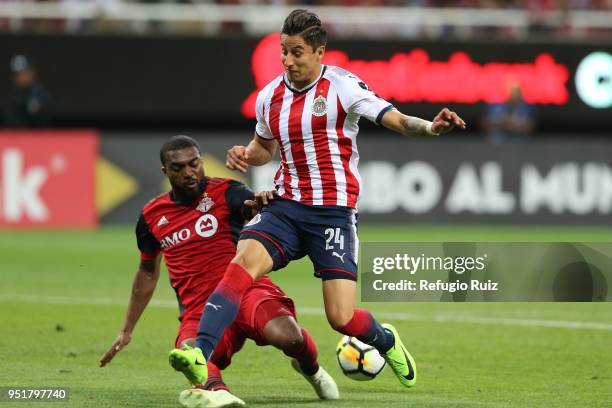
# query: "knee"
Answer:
x=339 y=318
x=245 y=261
x=290 y=340
x=241 y=258
x=291 y=343
x=252 y=256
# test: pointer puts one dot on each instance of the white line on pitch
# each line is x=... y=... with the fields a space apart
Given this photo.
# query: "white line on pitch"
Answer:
x=310 y=311
x=454 y=318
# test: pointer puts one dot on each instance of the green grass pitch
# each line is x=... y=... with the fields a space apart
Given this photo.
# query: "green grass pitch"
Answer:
x=63 y=298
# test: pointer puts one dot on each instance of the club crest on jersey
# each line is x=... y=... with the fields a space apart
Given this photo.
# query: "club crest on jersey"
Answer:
x=254 y=220
x=319 y=106
x=206 y=204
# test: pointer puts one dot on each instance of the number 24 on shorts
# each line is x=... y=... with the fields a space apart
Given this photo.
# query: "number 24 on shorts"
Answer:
x=334 y=235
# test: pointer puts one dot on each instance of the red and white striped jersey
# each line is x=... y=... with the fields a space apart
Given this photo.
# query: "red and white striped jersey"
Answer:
x=316 y=128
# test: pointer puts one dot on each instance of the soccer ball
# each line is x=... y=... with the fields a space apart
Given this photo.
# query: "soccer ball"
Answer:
x=357 y=360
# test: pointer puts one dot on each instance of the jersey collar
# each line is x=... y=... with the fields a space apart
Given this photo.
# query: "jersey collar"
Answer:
x=307 y=87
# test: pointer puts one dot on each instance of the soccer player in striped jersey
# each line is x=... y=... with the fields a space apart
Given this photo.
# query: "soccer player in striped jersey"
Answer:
x=311 y=112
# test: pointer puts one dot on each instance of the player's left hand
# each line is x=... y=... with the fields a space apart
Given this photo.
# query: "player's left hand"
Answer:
x=236 y=158
x=446 y=120
x=120 y=342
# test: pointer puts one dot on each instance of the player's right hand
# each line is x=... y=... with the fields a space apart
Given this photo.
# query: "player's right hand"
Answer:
x=264 y=197
x=237 y=159
x=120 y=342
x=260 y=200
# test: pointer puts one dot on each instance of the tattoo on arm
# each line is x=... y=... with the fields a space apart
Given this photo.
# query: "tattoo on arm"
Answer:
x=412 y=126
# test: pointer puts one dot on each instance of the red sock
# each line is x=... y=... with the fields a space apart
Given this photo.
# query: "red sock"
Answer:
x=215 y=382
x=364 y=327
x=225 y=304
x=235 y=282
x=359 y=325
x=307 y=355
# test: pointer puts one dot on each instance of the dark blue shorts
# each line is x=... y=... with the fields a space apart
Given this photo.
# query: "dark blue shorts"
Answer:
x=327 y=234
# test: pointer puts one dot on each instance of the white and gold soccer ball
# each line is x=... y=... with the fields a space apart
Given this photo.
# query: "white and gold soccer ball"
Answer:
x=357 y=360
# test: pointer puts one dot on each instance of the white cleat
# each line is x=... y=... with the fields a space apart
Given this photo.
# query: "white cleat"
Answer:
x=323 y=383
x=197 y=398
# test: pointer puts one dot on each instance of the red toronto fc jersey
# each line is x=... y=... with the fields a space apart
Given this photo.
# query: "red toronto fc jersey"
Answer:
x=316 y=128
x=198 y=239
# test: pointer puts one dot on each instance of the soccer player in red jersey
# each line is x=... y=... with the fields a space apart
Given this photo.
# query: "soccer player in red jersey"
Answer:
x=311 y=112
x=195 y=227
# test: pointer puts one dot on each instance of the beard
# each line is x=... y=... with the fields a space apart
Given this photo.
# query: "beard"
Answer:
x=187 y=197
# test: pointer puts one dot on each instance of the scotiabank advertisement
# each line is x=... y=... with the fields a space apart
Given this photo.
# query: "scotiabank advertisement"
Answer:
x=414 y=75
x=47 y=179
x=567 y=85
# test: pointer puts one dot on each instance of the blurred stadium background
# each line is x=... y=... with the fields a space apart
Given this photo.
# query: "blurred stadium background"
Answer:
x=90 y=89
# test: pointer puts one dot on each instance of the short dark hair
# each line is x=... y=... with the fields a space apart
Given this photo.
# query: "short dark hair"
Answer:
x=177 y=143
x=307 y=25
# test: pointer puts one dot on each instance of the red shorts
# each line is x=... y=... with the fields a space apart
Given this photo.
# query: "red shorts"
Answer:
x=259 y=305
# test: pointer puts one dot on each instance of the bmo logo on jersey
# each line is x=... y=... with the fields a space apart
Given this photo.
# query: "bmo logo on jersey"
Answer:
x=205 y=227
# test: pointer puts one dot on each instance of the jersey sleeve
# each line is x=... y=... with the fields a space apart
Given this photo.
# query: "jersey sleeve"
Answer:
x=358 y=98
x=261 y=128
x=235 y=195
x=147 y=244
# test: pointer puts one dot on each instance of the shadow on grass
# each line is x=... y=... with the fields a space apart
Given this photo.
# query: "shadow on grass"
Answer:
x=284 y=401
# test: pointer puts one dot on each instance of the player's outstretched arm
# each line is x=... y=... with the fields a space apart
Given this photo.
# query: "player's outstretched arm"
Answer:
x=143 y=287
x=259 y=152
x=444 y=122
